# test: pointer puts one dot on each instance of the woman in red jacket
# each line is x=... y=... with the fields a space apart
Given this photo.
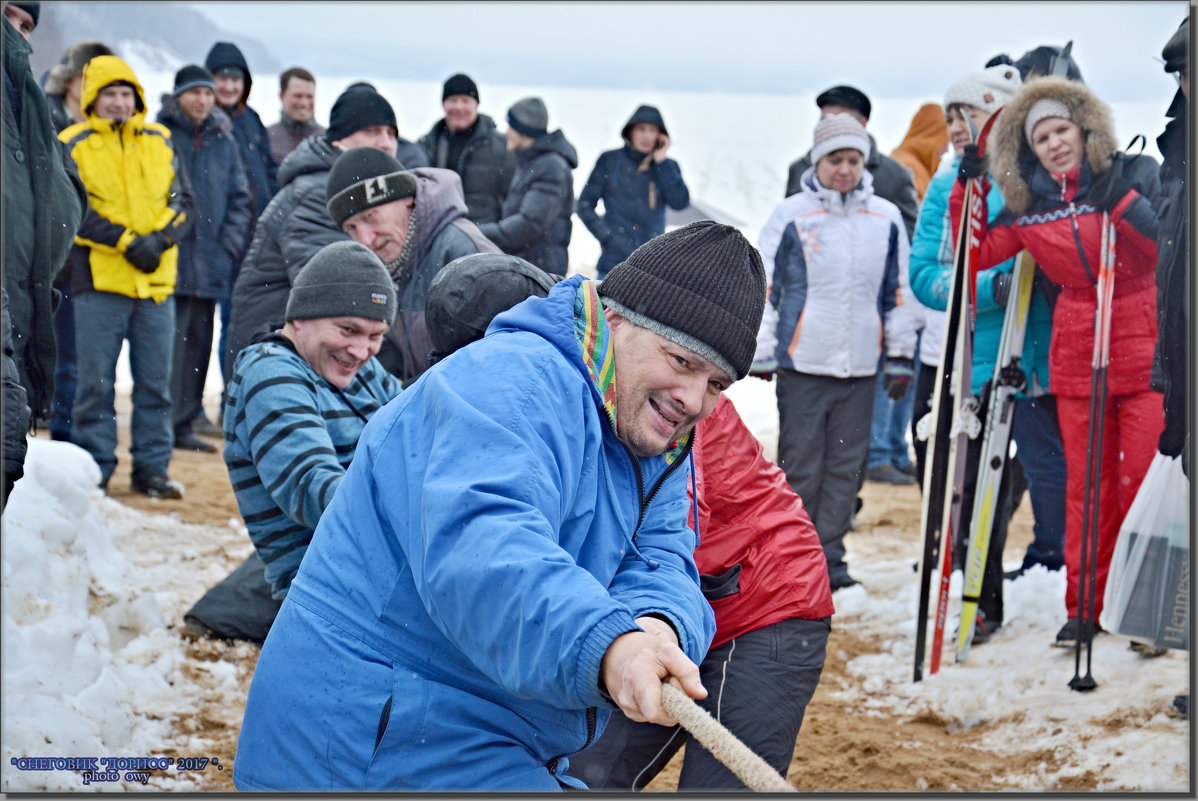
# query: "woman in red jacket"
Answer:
x=1053 y=154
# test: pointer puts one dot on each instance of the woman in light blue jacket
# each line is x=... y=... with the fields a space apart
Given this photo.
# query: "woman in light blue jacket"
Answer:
x=1034 y=427
x=838 y=257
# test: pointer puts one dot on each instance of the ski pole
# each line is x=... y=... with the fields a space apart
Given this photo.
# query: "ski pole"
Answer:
x=1088 y=562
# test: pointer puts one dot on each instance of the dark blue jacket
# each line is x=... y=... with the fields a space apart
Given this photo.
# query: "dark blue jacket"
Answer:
x=634 y=202
x=535 y=223
x=221 y=211
x=248 y=128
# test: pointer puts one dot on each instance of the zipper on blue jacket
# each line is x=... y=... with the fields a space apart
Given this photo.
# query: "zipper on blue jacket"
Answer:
x=592 y=721
x=640 y=483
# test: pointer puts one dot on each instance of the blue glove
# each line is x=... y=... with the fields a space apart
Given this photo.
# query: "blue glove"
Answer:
x=897 y=375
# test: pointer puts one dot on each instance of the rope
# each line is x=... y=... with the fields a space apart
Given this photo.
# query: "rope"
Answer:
x=751 y=769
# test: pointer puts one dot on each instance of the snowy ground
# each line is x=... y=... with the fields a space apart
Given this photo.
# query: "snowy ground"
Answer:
x=93 y=668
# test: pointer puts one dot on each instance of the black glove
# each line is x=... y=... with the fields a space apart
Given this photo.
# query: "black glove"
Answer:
x=1109 y=188
x=1002 y=288
x=973 y=164
x=145 y=251
x=897 y=375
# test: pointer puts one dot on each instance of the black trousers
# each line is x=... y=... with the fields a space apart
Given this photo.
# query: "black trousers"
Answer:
x=758 y=686
x=823 y=439
x=193 y=347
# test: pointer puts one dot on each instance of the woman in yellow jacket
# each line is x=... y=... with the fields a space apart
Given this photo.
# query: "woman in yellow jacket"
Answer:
x=122 y=272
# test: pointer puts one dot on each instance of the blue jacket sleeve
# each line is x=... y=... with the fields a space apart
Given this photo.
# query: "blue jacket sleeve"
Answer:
x=671 y=185
x=589 y=198
x=932 y=248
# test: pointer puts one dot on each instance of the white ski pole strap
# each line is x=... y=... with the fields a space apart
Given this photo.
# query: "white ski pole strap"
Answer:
x=751 y=769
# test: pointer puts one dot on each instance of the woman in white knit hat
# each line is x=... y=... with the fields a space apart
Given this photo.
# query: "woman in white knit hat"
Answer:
x=834 y=304
x=1053 y=153
x=1034 y=426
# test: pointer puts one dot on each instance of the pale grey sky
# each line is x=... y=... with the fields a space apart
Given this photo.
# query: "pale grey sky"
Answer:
x=888 y=49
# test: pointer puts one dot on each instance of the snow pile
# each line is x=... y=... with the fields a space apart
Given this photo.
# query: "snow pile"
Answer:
x=90 y=669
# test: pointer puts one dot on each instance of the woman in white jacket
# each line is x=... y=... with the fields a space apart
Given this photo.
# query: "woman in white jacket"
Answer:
x=837 y=255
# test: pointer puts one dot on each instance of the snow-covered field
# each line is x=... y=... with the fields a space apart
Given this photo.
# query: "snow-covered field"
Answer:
x=91 y=669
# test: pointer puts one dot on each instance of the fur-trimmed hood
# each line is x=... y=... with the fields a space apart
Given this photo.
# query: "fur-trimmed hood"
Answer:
x=1012 y=161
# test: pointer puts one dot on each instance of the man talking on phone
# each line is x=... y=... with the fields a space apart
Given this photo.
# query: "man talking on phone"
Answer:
x=635 y=183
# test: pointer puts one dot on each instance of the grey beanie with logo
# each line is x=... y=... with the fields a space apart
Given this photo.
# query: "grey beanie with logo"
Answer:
x=343 y=279
x=701 y=286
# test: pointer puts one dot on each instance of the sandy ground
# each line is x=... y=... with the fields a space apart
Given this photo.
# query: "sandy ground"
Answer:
x=840 y=748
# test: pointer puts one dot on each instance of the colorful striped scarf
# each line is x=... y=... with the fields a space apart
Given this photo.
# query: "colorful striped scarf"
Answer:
x=594 y=340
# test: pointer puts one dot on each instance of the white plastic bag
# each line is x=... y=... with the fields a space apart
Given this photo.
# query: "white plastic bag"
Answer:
x=1148 y=587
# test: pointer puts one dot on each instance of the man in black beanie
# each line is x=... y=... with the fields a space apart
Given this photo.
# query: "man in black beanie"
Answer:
x=468 y=143
x=508 y=558
x=296 y=224
x=534 y=222
x=415 y=222
x=361 y=103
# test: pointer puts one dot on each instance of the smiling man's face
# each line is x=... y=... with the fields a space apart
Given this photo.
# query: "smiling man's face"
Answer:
x=662 y=388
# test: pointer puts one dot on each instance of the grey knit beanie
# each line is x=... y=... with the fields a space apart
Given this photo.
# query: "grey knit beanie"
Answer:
x=1042 y=109
x=701 y=286
x=344 y=279
x=529 y=116
x=839 y=132
x=363 y=178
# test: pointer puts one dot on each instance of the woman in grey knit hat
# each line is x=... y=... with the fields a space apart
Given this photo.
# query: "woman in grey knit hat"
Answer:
x=834 y=310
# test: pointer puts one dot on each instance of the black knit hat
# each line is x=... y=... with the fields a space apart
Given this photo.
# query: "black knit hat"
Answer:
x=849 y=96
x=467 y=293
x=343 y=279
x=363 y=178
x=529 y=116
x=190 y=77
x=459 y=84
x=356 y=108
x=701 y=286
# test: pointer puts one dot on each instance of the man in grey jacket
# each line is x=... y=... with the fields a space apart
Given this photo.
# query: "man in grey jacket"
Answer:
x=415 y=222
x=296 y=225
x=535 y=221
x=892 y=181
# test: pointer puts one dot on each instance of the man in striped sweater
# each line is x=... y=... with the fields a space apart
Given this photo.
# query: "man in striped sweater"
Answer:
x=299 y=398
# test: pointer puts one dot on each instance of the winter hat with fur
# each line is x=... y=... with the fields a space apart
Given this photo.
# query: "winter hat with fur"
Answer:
x=1012 y=161
x=701 y=286
x=343 y=279
x=363 y=178
x=837 y=132
x=529 y=116
x=988 y=90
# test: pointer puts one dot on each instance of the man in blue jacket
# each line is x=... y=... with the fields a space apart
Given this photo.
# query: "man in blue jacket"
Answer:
x=507 y=558
x=635 y=183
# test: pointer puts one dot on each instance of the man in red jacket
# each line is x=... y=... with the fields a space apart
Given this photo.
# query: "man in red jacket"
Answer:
x=761 y=567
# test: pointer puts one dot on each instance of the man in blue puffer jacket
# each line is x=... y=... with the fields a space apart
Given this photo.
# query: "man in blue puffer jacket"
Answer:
x=635 y=183
x=1034 y=427
x=507 y=558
